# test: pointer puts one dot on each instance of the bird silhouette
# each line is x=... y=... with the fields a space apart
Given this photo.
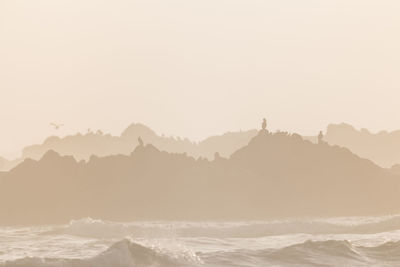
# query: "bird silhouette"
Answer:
x=56 y=126
x=320 y=137
x=264 y=124
x=140 y=141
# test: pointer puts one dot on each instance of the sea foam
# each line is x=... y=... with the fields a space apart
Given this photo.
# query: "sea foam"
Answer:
x=124 y=253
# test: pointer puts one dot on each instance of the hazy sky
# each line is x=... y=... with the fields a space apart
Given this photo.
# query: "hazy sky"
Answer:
x=196 y=67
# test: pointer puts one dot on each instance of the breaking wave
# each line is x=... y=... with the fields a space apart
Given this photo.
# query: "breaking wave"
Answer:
x=96 y=228
x=310 y=253
x=122 y=254
x=351 y=241
x=314 y=253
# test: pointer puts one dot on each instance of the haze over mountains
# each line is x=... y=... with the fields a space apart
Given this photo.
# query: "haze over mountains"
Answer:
x=275 y=175
x=83 y=146
x=383 y=148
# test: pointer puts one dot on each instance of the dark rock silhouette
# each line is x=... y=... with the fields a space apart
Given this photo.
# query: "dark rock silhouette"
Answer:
x=83 y=146
x=383 y=147
x=275 y=175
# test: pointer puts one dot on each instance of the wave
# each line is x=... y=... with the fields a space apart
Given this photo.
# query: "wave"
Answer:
x=89 y=227
x=328 y=253
x=124 y=253
x=354 y=225
x=313 y=253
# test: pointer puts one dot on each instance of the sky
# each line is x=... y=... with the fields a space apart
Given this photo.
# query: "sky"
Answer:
x=194 y=68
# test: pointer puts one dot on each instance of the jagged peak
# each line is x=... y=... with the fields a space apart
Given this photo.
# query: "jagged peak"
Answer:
x=341 y=126
x=135 y=129
x=50 y=154
x=145 y=148
x=51 y=140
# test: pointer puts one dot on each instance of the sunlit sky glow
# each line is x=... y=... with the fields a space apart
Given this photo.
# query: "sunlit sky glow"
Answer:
x=196 y=68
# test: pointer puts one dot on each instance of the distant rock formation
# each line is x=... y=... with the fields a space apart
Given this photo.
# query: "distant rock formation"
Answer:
x=6 y=164
x=83 y=146
x=3 y=163
x=383 y=148
x=274 y=176
x=395 y=169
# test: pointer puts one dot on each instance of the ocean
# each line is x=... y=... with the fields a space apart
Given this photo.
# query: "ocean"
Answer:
x=350 y=241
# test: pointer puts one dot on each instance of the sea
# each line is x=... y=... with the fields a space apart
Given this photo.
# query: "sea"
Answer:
x=346 y=241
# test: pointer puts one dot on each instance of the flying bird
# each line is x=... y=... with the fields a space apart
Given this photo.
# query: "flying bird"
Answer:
x=56 y=126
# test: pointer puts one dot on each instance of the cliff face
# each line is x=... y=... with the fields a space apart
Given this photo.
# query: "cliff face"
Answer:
x=275 y=175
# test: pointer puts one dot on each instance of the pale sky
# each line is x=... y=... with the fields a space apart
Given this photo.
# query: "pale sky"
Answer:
x=195 y=68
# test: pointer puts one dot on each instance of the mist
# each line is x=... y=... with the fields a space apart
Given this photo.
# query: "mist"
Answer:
x=103 y=65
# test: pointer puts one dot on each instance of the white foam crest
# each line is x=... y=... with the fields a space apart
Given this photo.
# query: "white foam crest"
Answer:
x=124 y=253
x=101 y=229
x=89 y=227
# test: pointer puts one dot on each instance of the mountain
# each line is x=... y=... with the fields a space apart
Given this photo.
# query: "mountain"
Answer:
x=83 y=146
x=383 y=148
x=273 y=176
x=3 y=163
x=6 y=164
x=395 y=169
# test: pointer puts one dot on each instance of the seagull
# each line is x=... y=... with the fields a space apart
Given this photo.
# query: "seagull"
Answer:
x=140 y=141
x=56 y=126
